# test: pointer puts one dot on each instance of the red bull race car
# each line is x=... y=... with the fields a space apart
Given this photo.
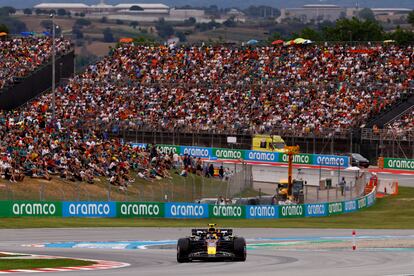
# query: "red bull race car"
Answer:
x=211 y=244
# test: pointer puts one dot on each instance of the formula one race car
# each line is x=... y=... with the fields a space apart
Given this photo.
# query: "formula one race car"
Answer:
x=211 y=244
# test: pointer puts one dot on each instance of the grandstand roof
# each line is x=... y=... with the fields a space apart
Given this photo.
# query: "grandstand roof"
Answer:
x=61 y=6
x=391 y=9
x=144 y=6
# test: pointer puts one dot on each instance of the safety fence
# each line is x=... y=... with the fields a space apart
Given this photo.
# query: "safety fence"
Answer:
x=179 y=210
x=254 y=156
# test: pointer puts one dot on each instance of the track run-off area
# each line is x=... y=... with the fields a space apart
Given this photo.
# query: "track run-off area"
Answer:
x=151 y=251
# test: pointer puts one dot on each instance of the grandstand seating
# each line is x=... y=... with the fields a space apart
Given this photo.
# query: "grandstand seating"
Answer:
x=215 y=89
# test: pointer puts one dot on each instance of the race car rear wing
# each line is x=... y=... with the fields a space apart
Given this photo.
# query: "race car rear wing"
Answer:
x=202 y=232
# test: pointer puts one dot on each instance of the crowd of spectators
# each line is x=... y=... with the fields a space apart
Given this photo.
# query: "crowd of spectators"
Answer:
x=403 y=124
x=21 y=56
x=310 y=89
x=224 y=89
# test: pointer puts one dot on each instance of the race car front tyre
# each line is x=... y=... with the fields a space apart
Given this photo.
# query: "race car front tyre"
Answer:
x=183 y=249
x=240 y=249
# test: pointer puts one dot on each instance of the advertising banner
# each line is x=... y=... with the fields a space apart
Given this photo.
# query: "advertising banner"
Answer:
x=335 y=208
x=168 y=149
x=262 y=212
x=362 y=203
x=140 y=209
x=89 y=209
x=196 y=151
x=399 y=164
x=30 y=209
x=291 y=211
x=228 y=154
x=297 y=159
x=227 y=211
x=253 y=155
x=331 y=160
x=139 y=145
x=371 y=199
x=186 y=210
x=316 y=210
x=350 y=206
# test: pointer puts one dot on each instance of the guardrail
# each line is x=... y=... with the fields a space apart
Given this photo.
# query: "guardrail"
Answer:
x=174 y=210
x=254 y=156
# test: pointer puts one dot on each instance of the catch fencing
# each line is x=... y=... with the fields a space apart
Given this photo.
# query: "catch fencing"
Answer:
x=179 y=210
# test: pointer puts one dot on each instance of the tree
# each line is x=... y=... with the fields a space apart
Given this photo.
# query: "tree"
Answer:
x=27 y=11
x=104 y=19
x=401 y=36
x=3 y=28
x=108 y=36
x=119 y=22
x=181 y=36
x=308 y=33
x=164 y=29
x=6 y=11
x=410 y=18
x=82 y=14
x=61 y=12
x=77 y=33
x=190 y=21
x=230 y=22
x=134 y=24
x=13 y=25
x=83 y=22
x=354 y=30
x=366 y=14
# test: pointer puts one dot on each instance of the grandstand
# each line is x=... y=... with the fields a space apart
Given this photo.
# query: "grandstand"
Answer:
x=311 y=94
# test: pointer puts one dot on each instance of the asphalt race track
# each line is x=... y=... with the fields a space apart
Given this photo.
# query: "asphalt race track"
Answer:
x=262 y=261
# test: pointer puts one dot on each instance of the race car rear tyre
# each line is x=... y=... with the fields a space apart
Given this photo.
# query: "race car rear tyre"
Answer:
x=183 y=249
x=240 y=249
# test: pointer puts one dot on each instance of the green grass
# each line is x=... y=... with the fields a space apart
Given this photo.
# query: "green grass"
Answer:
x=394 y=212
x=43 y=263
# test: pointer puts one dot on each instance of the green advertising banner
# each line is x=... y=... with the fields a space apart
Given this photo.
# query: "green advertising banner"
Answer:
x=362 y=202
x=169 y=149
x=297 y=159
x=140 y=209
x=291 y=211
x=335 y=208
x=30 y=209
x=398 y=163
x=227 y=211
x=228 y=153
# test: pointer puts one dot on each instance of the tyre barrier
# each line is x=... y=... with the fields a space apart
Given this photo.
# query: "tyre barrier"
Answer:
x=179 y=210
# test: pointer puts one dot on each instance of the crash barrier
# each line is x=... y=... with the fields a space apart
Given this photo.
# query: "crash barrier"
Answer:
x=396 y=164
x=254 y=156
x=179 y=210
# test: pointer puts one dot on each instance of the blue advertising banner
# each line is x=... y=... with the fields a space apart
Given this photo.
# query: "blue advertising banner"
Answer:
x=252 y=155
x=370 y=199
x=139 y=145
x=316 y=210
x=196 y=151
x=89 y=209
x=186 y=210
x=350 y=206
x=331 y=160
x=262 y=211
